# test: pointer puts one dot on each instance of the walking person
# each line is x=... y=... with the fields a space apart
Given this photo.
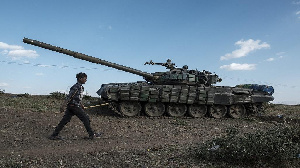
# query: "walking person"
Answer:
x=73 y=106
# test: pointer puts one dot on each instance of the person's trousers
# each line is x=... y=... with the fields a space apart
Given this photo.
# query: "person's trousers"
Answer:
x=69 y=113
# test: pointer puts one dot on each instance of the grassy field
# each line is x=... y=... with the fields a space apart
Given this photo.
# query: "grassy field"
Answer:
x=269 y=140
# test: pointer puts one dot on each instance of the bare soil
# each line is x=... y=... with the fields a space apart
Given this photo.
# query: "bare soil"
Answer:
x=125 y=142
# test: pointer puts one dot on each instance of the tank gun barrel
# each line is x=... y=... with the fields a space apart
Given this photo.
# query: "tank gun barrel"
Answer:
x=87 y=58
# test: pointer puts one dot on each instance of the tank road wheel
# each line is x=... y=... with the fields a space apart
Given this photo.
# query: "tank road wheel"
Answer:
x=251 y=109
x=237 y=111
x=130 y=109
x=176 y=110
x=154 y=109
x=255 y=109
x=197 y=111
x=217 y=111
x=260 y=108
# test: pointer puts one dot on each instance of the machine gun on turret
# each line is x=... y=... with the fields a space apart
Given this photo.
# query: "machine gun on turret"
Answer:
x=168 y=64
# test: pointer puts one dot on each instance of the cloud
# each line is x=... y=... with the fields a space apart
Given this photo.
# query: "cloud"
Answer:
x=3 y=84
x=273 y=59
x=39 y=74
x=239 y=67
x=26 y=62
x=245 y=48
x=5 y=46
x=298 y=14
x=296 y=2
x=280 y=53
x=270 y=59
x=45 y=66
x=17 y=52
x=279 y=56
x=4 y=52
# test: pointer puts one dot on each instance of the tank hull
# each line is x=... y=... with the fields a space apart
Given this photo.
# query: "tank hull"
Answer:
x=182 y=100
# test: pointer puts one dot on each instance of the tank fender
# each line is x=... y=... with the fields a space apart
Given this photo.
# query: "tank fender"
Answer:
x=237 y=90
x=259 y=98
x=223 y=98
x=219 y=95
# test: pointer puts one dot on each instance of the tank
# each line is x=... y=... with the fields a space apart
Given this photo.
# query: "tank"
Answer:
x=177 y=92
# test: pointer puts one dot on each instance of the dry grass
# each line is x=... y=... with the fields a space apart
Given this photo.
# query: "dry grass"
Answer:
x=224 y=143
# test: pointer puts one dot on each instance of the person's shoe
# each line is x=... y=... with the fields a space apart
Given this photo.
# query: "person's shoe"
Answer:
x=98 y=135
x=55 y=137
x=91 y=137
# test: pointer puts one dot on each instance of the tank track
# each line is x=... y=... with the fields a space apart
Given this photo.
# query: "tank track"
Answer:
x=213 y=111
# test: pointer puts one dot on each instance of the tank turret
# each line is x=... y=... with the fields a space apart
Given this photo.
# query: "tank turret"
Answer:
x=183 y=75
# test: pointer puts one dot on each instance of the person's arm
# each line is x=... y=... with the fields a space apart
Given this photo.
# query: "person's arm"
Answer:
x=70 y=96
x=82 y=106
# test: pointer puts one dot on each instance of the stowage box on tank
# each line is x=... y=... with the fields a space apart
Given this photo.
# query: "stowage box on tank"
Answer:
x=176 y=92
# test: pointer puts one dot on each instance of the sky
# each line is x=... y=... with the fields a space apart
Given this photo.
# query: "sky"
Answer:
x=248 y=41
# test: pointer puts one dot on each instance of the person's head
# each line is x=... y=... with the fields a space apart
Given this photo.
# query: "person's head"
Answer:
x=81 y=77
